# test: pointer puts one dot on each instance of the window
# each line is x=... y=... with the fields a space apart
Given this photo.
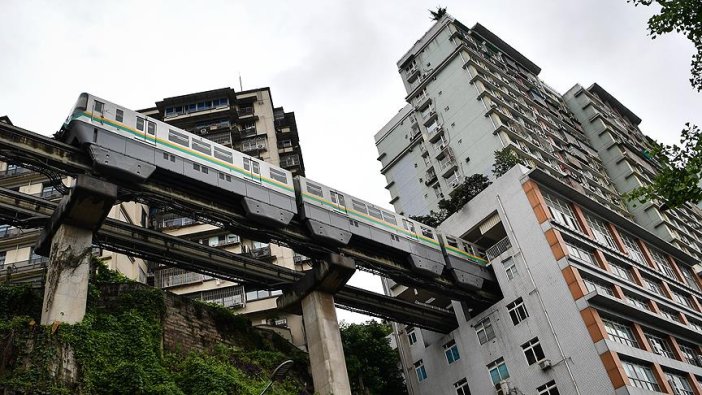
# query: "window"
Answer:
x=485 y=331
x=223 y=155
x=510 y=268
x=517 y=311
x=662 y=263
x=203 y=147
x=421 y=372
x=279 y=176
x=659 y=345
x=641 y=376
x=633 y=248
x=682 y=299
x=637 y=302
x=671 y=315
x=178 y=138
x=600 y=287
x=581 y=254
x=533 y=351
x=688 y=276
x=387 y=217
x=412 y=335
x=621 y=271
x=561 y=211
x=548 y=389
x=679 y=384
x=151 y=128
x=140 y=124
x=313 y=189
x=653 y=286
x=374 y=212
x=689 y=353
x=119 y=115
x=498 y=370
x=461 y=387
x=451 y=352
x=3 y=257
x=601 y=231
x=359 y=206
x=620 y=332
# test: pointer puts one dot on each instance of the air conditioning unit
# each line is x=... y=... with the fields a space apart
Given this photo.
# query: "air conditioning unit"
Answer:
x=545 y=364
x=454 y=183
x=502 y=388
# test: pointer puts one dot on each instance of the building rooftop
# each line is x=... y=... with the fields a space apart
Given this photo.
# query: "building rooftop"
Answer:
x=607 y=97
x=506 y=48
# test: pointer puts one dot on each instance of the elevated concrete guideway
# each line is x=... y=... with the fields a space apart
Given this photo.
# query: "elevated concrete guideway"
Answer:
x=71 y=228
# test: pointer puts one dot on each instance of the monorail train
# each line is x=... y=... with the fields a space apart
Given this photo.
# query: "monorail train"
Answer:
x=128 y=144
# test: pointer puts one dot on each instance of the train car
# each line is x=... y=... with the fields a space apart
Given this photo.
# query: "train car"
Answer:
x=466 y=263
x=127 y=144
x=336 y=217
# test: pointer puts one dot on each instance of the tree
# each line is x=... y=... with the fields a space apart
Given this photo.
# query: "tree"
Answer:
x=505 y=159
x=434 y=219
x=371 y=364
x=436 y=15
x=679 y=175
x=681 y=16
x=463 y=193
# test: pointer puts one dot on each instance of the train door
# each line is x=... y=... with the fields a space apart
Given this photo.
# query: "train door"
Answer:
x=254 y=169
x=98 y=112
x=338 y=200
x=409 y=227
x=147 y=130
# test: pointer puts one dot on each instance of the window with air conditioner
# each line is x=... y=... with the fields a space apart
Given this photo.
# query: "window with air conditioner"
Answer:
x=533 y=351
x=498 y=370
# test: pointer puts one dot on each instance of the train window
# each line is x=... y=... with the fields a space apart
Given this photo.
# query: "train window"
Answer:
x=359 y=206
x=223 y=155
x=427 y=232
x=119 y=115
x=452 y=242
x=151 y=128
x=205 y=169
x=201 y=146
x=178 y=138
x=314 y=189
x=389 y=218
x=247 y=164
x=408 y=225
x=374 y=212
x=140 y=124
x=99 y=106
x=279 y=176
x=196 y=166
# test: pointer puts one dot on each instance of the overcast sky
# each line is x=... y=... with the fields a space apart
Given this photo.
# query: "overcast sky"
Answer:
x=332 y=63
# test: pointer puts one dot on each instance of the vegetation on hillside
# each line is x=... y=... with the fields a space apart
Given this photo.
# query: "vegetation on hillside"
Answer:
x=118 y=349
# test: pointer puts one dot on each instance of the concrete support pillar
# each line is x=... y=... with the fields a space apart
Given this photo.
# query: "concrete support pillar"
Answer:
x=66 y=289
x=324 y=344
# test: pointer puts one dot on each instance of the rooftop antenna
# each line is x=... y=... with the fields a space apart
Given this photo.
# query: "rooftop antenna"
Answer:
x=241 y=86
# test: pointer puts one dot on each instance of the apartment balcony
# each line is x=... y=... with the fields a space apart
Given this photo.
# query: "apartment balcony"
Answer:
x=498 y=249
x=429 y=115
x=300 y=259
x=228 y=297
x=430 y=176
x=248 y=132
x=422 y=101
x=50 y=194
x=245 y=112
x=447 y=166
x=174 y=277
x=254 y=147
x=258 y=253
x=290 y=161
x=24 y=272
x=435 y=132
x=412 y=74
x=173 y=222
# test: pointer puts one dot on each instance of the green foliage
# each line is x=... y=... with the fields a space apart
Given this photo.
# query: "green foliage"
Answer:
x=370 y=362
x=118 y=349
x=434 y=219
x=436 y=15
x=464 y=193
x=680 y=172
x=20 y=300
x=680 y=16
x=505 y=159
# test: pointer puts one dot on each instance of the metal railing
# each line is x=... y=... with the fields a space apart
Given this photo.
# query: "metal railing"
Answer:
x=227 y=297
x=498 y=248
x=167 y=223
x=172 y=277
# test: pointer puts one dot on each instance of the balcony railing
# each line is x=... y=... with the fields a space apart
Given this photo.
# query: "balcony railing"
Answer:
x=498 y=248
x=24 y=266
x=14 y=171
x=245 y=111
x=261 y=252
x=227 y=297
x=172 y=277
x=167 y=223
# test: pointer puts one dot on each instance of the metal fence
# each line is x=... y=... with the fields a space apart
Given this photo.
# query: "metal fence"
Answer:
x=498 y=248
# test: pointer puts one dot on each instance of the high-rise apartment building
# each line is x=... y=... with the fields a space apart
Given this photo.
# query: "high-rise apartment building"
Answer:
x=600 y=296
x=248 y=122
